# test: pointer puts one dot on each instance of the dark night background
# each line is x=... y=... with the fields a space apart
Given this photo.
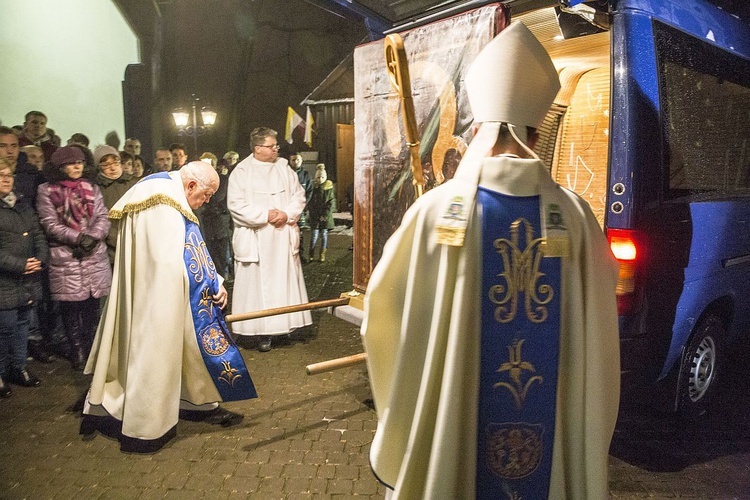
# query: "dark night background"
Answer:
x=248 y=60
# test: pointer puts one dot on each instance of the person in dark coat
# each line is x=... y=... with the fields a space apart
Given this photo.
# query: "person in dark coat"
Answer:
x=113 y=182
x=23 y=253
x=295 y=161
x=321 y=207
x=216 y=222
x=72 y=212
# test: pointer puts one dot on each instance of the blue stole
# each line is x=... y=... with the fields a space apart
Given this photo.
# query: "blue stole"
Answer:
x=520 y=341
x=220 y=354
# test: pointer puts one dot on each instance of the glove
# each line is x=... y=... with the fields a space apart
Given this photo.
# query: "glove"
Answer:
x=87 y=242
x=78 y=253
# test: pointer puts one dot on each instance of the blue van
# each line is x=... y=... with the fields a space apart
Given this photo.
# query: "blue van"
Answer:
x=678 y=194
x=651 y=127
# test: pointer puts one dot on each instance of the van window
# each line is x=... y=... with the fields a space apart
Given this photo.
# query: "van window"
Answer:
x=705 y=99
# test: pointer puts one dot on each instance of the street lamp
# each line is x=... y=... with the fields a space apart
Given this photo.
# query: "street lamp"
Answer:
x=187 y=121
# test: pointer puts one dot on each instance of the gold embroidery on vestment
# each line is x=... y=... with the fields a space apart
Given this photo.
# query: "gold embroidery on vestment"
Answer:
x=228 y=374
x=152 y=201
x=514 y=450
x=515 y=367
x=214 y=342
x=521 y=274
x=199 y=259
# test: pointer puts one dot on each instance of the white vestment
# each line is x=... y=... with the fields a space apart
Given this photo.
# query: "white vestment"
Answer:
x=422 y=334
x=268 y=271
x=145 y=357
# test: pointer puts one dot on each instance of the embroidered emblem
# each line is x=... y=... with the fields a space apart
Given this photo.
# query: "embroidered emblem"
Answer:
x=521 y=275
x=456 y=209
x=554 y=217
x=515 y=367
x=199 y=262
x=229 y=374
x=514 y=450
x=214 y=342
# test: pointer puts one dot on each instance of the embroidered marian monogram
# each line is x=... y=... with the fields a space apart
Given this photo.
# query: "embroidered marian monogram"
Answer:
x=515 y=367
x=199 y=260
x=521 y=290
x=521 y=274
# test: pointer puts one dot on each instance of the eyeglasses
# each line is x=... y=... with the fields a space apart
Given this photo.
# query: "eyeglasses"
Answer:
x=111 y=164
x=6 y=176
x=272 y=146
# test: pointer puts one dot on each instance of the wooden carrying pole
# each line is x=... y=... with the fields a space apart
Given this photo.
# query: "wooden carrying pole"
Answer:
x=335 y=364
x=320 y=304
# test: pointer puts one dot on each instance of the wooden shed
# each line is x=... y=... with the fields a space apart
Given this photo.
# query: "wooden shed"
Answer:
x=332 y=108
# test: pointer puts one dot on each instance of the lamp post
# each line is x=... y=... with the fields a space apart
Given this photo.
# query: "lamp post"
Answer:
x=187 y=122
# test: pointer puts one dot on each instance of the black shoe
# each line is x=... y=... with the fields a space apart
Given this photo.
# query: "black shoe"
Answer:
x=5 y=391
x=217 y=416
x=24 y=378
x=264 y=345
x=38 y=352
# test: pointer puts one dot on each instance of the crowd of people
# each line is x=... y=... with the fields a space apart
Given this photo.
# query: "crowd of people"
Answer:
x=61 y=226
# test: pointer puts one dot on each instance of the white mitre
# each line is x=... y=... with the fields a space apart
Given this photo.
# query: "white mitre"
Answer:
x=512 y=80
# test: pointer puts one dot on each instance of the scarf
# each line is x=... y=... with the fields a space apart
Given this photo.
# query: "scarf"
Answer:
x=73 y=200
x=10 y=199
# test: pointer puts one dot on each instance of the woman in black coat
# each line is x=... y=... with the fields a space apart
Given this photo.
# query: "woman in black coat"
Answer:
x=23 y=252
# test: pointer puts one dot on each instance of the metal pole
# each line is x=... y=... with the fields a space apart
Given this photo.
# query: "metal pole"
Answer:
x=195 y=128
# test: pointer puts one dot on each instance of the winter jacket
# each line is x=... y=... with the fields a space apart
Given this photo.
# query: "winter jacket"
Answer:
x=112 y=190
x=27 y=180
x=21 y=238
x=321 y=207
x=72 y=279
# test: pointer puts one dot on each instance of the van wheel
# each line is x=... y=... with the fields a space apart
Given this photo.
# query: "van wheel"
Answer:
x=700 y=368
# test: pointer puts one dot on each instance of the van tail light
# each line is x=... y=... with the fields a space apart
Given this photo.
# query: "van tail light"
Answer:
x=625 y=246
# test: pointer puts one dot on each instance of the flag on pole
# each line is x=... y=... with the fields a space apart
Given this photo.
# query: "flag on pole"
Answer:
x=293 y=120
x=308 y=127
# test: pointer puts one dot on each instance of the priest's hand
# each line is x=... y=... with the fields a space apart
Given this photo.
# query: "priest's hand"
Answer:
x=221 y=298
x=277 y=218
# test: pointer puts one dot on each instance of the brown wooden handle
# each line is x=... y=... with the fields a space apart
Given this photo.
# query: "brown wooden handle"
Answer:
x=335 y=364
x=341 y=301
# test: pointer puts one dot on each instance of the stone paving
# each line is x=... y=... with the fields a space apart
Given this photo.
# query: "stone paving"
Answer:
x=308 y=437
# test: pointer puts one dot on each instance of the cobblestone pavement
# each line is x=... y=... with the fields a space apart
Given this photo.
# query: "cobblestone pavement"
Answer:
x=309 y=436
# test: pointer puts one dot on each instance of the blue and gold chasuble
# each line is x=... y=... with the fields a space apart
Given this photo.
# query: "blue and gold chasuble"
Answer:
x=220 y=354
x=519 y=350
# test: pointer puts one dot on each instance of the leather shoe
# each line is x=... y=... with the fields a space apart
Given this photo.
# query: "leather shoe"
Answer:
x=265 y=344
x=25 y=378
x=5 y=391
x=217 y=416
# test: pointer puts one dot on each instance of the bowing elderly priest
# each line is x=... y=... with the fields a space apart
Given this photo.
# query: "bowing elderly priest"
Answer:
x=491 y=321
x=157 y=358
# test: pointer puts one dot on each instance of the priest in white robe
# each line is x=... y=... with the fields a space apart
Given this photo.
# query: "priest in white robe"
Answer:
x=490 y=321
x=266 y=199
x=162 y=350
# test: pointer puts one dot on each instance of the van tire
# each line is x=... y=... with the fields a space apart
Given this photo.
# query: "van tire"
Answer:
x=701 y=366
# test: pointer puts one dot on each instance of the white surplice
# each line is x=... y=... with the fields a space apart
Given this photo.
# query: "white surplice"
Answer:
x=268 y=271
x=422 y=335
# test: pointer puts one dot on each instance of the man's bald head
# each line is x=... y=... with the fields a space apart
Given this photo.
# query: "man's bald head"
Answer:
x=200 y=181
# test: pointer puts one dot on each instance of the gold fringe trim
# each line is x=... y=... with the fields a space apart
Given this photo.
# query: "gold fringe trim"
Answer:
x=152 y=201
x=450 y=235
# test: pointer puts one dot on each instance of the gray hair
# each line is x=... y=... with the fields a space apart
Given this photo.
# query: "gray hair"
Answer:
x=201 y=172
